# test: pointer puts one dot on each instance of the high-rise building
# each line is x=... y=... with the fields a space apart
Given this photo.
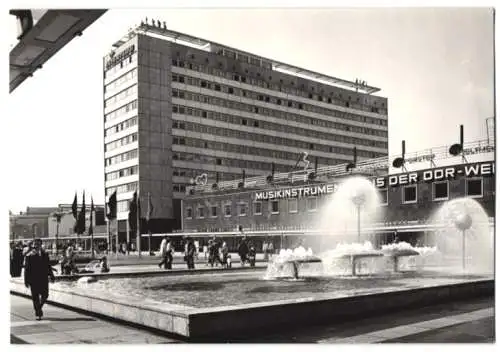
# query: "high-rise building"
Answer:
x=178 y=108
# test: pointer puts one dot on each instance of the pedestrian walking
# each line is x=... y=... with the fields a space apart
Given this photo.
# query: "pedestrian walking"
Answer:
x=243 y=251
x=37 y=272
x=163 y=251
x=189 y=253
x=169 y=254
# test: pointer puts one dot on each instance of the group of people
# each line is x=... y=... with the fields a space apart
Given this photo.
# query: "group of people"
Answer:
x=167 y=251
x=38 y=269
x=247 y=252
x=218 y=253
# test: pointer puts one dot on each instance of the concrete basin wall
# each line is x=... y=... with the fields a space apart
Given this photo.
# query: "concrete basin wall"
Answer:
x=234 y=321
x=231 y=322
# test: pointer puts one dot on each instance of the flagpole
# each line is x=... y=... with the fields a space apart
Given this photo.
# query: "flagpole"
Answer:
x=138 y=235
x=108 y=247
x=149 y=220
x=91 y=226
x=128 y=233
x=116 y=239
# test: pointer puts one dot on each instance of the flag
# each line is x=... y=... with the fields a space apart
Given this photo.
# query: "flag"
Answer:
x=111 y=213
x=132 y=212
x=150 y=208
x=74 y=206
x=80 y=223
x=91 y=225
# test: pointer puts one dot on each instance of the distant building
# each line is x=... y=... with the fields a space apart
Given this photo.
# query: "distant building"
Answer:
x=31 y=223
x=41 y=222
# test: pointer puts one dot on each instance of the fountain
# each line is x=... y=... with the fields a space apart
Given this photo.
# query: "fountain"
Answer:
x=464 y=232
x=355 y=199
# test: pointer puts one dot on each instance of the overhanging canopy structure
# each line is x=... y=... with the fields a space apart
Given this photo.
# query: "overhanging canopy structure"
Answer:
x=53 y=30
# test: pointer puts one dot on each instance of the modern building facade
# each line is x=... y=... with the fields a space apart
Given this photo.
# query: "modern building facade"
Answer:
x=179 y=109
x=408 y=199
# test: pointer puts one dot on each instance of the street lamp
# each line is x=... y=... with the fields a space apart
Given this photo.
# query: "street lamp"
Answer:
x=463 y=222
x=358 y=199
x=57 y=216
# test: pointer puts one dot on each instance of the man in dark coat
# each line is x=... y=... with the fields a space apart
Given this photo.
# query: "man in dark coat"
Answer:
x=243 y=250
x=189 y=254
x=36 y=276
x=18 y=259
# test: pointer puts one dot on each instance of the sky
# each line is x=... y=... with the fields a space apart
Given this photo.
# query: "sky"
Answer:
x=434 y=65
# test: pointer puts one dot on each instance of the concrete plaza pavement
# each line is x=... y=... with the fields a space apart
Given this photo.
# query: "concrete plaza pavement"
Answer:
x=63 y=326
x=467 y=321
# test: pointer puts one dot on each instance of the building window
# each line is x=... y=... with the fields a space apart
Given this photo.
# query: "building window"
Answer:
x=257 y=208
x=384 y=196
x=122 y=206
x=440 y=190
x=243 y=209
x=275 y=207
x=213 y=211
x=227 y=210
x=201 y=212
x=474 y=187
x=312 y=204
x=293 y=206
x=189 y=213
x=409 y=194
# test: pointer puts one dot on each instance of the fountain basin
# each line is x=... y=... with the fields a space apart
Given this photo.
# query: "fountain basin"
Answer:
x=220 y=305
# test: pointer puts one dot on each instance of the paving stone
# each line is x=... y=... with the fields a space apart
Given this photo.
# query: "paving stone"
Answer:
x=97 y=333
x=47 y=338
x=30 y=329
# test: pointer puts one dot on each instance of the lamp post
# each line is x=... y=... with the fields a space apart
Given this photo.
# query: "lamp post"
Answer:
x=57 y=216
x=463 y=222
x=358 y=199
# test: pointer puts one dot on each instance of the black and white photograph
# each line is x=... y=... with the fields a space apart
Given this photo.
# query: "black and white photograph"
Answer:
x=250 y=173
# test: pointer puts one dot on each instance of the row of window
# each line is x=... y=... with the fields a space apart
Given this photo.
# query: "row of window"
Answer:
x=241 y=164
x=129 y=187
x=270 y=126
x=130 y=91
x=128 y=171
x=178 y=187
x=132 y=154
x=120 y=111
x=242 y=208
x=121 y=126
x=248 y=150
x=120 y=142
x=121 y=80
x=335 y=95
x=262 y=138
x=440 y=191
x=192 y=81
x=123 y=64
x=211 y=175
x=257 y=110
